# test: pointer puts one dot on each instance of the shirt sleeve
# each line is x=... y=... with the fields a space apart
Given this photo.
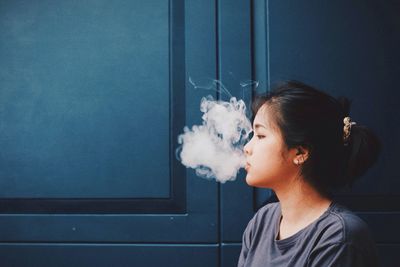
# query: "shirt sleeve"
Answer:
x=246 y=242
x=342 y=254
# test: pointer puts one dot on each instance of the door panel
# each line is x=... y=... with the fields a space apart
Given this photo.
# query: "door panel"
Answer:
x=76 y=124
x=235 y=74
x=353 y=56
x=105 y=255
x=93 y=97
x=345 y=48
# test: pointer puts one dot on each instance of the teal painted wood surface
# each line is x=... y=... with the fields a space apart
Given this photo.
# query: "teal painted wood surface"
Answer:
x=93 y=95
x=105 y=255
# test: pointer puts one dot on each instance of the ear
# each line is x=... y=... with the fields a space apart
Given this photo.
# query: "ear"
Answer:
x=300 y=154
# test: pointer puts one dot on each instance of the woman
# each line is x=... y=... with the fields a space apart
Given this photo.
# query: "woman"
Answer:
x=304 y=147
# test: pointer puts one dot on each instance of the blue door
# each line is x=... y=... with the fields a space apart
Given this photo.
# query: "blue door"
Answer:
x=93 y=95
x=343 y=47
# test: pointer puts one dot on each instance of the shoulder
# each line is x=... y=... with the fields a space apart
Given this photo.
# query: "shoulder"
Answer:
x=341 y=226
x=267 y=212
x=341 y=238
x=268 y=208
x=353 y=228
x=264 y=216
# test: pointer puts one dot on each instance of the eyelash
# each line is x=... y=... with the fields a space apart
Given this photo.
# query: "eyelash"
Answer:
x=260 y=136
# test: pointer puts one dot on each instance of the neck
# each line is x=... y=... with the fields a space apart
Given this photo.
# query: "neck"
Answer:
x=301 y=203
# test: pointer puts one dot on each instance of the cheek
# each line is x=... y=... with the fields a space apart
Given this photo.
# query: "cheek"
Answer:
x=268 y=154
x=269 y=166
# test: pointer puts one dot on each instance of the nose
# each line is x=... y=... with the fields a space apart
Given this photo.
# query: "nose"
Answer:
x=247 y=149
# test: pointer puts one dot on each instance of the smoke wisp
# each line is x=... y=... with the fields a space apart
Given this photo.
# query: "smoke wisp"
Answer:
x=215 y=148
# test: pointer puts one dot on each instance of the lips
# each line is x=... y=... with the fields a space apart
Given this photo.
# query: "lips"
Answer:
x=247 y=166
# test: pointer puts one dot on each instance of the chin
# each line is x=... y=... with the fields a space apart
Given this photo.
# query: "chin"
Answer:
x=251 y=181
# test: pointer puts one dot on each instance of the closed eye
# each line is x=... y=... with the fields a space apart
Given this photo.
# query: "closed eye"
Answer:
x=259 y=136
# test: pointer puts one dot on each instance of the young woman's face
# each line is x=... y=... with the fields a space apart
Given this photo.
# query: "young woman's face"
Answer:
x=268 y=161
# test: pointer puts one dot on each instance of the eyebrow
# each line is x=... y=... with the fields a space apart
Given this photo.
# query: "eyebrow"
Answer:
x=258 y=125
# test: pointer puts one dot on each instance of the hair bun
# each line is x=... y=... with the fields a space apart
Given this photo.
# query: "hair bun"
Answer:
x=363 y=152
x=345 y=104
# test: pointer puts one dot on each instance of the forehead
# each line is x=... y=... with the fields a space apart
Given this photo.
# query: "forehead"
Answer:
x=263 y=118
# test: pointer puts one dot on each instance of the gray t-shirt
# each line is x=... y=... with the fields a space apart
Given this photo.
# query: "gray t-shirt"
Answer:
x=337 y=238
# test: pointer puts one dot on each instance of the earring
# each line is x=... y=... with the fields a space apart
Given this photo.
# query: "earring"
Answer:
x=296 y=162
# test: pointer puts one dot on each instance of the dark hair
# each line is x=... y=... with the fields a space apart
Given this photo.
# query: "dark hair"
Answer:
x=312 y=119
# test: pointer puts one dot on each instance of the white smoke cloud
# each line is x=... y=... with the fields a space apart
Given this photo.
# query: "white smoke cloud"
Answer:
x=215 y=148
